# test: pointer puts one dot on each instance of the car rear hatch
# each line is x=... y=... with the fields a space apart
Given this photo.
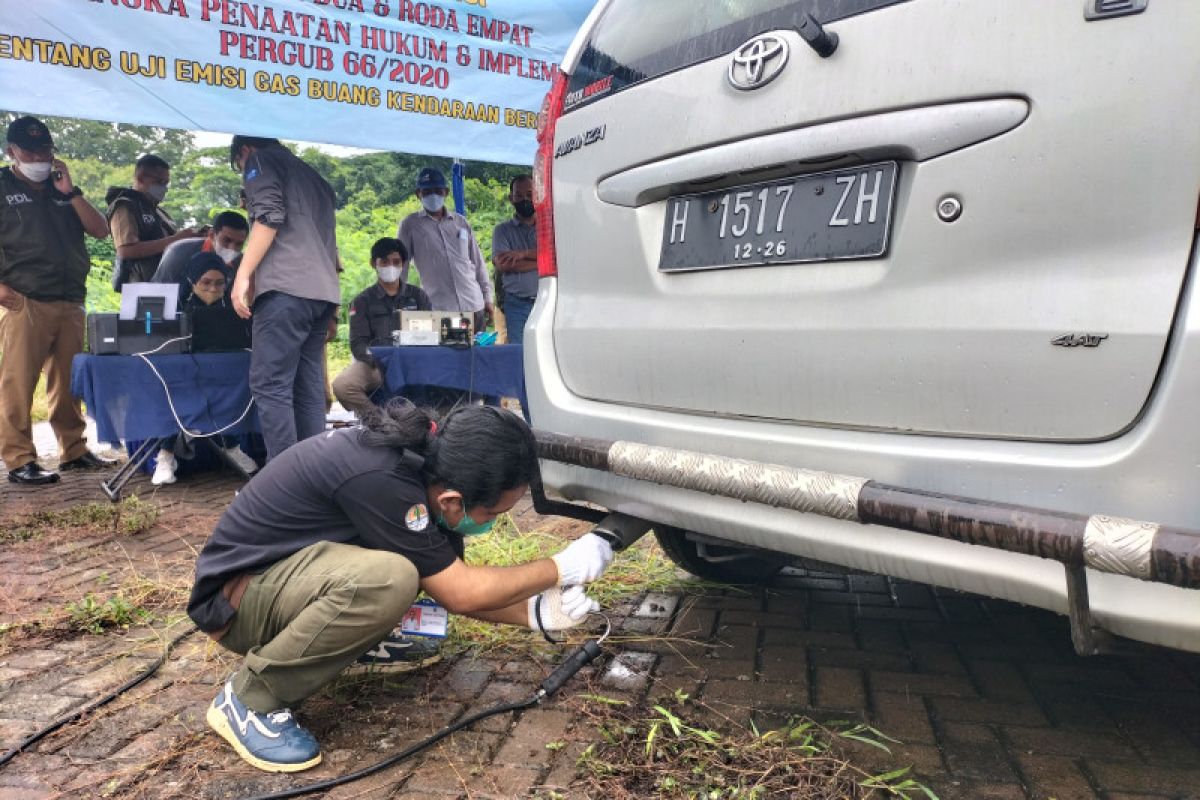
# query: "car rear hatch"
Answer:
x=971 y=219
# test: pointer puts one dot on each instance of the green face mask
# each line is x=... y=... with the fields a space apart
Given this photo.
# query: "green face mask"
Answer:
x=467 y=526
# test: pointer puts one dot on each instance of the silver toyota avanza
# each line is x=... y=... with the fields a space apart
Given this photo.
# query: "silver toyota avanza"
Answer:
x=933 y=244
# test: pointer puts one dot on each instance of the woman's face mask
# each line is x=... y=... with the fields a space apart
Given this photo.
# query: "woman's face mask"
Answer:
x=210 y=288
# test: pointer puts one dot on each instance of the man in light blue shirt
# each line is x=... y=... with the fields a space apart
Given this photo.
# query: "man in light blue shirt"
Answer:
x=442 y=246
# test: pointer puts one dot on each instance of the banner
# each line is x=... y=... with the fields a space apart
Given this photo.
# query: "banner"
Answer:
x=460 y=78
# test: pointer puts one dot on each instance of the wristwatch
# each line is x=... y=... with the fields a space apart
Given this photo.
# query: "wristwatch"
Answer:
x=75 y=192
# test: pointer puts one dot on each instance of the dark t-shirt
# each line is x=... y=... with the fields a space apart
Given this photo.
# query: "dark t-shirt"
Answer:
x=329 y=488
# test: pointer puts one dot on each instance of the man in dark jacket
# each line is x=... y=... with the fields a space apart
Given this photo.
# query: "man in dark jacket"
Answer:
x=289 y=275
x=43 y=280
x=371 y=316
x=141 y=229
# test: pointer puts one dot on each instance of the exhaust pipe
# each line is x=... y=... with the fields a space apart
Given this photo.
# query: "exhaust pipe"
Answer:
x=621 y=530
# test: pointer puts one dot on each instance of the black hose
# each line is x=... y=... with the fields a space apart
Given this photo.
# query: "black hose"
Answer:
x=103 y=701
x=321 y=786
x=570 y=665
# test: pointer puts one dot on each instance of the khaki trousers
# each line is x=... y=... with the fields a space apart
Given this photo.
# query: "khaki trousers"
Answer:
x=311 y=615
x=353 y=386
x=36 y=336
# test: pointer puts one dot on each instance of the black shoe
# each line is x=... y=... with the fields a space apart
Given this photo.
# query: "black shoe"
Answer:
x=88 y=460
x=398 y=653
x=32 y=474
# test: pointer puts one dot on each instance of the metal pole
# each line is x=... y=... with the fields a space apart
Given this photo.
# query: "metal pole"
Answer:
x=458 y=187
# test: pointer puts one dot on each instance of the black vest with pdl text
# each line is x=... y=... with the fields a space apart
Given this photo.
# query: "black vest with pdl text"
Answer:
x=153 y=223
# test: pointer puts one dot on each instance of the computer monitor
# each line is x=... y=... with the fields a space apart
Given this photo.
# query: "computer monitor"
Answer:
x=160 y=300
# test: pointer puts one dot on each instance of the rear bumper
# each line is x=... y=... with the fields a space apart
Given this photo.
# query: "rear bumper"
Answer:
x=1148 y=474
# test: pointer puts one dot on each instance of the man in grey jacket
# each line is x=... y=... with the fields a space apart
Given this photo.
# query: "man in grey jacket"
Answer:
x=288 y=281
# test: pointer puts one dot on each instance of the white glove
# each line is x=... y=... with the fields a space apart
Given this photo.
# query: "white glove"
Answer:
x=583 y=560
x=561 y=608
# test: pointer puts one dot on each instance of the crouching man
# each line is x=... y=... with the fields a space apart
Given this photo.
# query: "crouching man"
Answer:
x=318 y=559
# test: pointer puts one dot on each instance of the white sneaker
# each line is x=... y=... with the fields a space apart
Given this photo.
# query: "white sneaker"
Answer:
x=164 y=470
x=244 y=462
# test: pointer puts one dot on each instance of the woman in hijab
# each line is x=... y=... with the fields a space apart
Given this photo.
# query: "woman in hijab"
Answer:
x=204 y=297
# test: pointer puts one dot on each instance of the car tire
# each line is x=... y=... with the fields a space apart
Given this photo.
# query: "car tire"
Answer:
x=753 y=566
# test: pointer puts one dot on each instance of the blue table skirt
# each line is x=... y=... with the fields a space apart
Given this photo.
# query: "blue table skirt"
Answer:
x=127 y=401
x=493 y=372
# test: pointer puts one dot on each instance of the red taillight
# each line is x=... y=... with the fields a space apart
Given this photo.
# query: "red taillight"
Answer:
x=543 y=192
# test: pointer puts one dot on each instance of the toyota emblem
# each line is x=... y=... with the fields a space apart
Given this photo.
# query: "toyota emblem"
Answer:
x=757 y=62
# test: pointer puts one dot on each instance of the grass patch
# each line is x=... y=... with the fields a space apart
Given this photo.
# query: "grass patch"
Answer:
x=663 y=752
x=136 y=600
x=641 y=568
x=128 y=517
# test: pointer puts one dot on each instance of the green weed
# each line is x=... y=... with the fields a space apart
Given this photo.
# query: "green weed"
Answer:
x=664 y=752
x=92 y=615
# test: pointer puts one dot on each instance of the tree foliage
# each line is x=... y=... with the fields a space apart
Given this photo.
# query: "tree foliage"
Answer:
x=110 y=142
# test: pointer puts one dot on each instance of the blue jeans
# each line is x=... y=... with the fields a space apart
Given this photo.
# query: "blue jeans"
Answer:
x=287 y=368
x=516 y=312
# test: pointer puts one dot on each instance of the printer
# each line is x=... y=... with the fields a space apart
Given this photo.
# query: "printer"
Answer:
x=452 y=328
x=148 y=319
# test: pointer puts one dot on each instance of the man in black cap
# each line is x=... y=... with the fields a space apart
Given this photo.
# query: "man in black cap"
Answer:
x=43 y=281
x=443 y=247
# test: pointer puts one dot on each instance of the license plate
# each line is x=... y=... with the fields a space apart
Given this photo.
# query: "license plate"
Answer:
x=825 y=216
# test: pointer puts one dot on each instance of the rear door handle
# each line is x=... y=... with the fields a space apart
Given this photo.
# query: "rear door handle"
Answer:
x=915 y=134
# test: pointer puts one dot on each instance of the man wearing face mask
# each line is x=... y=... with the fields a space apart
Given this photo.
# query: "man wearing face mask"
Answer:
x=226 y=238
x=443 y=247
x=43 y=281
x=141 y=228
x=514 y=252
x=371 y=316
x=317 y=560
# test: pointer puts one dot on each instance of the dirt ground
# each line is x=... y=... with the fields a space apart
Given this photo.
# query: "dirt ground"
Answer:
x=986 y=698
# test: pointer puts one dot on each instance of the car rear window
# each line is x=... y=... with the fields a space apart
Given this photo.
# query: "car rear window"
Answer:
x=636 y=40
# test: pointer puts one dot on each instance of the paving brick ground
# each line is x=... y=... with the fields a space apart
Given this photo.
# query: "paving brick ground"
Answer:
x=987 y=697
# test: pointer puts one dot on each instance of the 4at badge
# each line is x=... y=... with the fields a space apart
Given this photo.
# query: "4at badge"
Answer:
x=417 y=518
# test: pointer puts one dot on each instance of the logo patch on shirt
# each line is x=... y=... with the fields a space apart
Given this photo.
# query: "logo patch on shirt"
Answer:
x=417 y=518
x=252 y=173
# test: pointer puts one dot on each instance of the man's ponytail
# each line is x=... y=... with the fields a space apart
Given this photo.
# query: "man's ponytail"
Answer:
x=399 y=424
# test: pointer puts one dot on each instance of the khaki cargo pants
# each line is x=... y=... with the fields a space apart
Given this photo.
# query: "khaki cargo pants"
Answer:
x=354 y=386
x=310 y=616
x=36 y=336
